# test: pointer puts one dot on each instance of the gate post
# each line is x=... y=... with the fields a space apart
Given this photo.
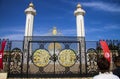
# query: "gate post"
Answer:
x=27 y=49
x=83 y=54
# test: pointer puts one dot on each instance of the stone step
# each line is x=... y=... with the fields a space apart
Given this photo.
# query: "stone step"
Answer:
x=3 y=75
x=54 y=78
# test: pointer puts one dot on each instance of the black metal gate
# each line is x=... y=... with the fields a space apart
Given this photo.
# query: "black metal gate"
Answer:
x=53 y=59
x=13 y=58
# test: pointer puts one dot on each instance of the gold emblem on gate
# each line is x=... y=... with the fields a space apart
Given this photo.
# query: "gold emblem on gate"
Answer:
x=67 y=58
x=41 y=58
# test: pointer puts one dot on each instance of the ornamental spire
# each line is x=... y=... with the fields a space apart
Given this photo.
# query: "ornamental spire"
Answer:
x=31 y=5
x=54 y=31
x=79 y=5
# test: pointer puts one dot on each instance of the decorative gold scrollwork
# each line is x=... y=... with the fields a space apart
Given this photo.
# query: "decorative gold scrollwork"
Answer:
x=41 y=58
x=67 y=57
x=15 y=63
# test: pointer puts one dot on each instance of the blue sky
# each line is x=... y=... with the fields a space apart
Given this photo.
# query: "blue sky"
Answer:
x=102 y=18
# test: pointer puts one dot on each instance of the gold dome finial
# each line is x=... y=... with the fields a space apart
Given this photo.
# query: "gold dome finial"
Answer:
x=31 y=5
x=54 y=31
x=79 y=5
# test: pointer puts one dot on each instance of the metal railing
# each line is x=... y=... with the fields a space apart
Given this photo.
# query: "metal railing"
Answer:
x=19 y=62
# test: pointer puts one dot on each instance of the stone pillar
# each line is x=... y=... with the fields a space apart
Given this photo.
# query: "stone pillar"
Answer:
x=30 y=13
x=79 y=13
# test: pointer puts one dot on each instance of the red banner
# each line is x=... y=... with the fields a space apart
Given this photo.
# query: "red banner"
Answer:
x=105 y=50
x=1 y=53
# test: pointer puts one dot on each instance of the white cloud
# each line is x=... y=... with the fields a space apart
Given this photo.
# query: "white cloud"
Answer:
x=112 y=27
x=20 y=30
x=69 y=32
x=63 y=32
x=102 y=6
x=93 y=30
x=12 y=32
x=13 y=37
x=13 y=29
x=36 y=33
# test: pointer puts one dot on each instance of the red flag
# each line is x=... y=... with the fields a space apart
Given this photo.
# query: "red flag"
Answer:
x=1 y=53
x=105 y=50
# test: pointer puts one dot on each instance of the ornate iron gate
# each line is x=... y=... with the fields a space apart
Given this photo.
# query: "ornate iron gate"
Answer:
x=16 y=62
x=53 y=58
x=13 y=58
